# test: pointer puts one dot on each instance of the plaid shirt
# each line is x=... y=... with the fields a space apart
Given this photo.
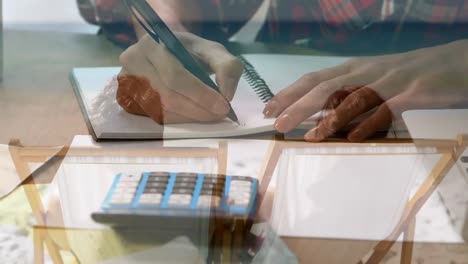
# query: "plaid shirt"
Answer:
x=346 y=25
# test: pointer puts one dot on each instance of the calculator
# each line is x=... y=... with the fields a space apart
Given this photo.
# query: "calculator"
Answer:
x=176 y=199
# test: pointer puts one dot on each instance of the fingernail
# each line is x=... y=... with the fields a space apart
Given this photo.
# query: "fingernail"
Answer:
x=313 y=135
x=272 y=109
x=356 y=135
x=284 y=124
x=221 y=107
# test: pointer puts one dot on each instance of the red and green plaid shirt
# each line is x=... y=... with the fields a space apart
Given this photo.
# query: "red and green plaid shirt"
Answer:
x=346 y=25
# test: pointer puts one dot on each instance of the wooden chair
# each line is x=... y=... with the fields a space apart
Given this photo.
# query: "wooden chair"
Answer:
x=451 y=151
x=52 y=157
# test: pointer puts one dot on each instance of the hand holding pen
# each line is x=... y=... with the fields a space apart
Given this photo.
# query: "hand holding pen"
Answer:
x=165 y=79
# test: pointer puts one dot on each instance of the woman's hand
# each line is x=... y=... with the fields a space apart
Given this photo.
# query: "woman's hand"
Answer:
x=427 y=78
x=154 y=83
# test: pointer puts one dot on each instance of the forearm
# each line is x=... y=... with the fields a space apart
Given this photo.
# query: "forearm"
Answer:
x=179 y=15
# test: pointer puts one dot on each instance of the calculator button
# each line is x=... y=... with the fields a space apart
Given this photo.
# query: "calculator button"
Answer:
x=213 y=185
x=464 y=159
x=130 y=178
x=124 y=191
x=123 y=195
x=182 y=191
x=211 y=193
x=187 y=174
x=239 y=202
x=154 y=190
x=156 y=185
x=150 y=199
x=121 y=200
x=180 y=199
x=118 y=191
x=213 y=180
x=241 y=183
x=239 y=195
x=239 y=189
x=150 y=196
x=158 y=179
x=159 y=174
x=241 y=178
x=184 y=185
x=209 y=201
x=180 y=203
x=215 y=176
x=186 y=179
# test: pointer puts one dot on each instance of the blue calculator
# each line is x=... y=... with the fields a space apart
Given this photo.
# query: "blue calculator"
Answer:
x=153 y=198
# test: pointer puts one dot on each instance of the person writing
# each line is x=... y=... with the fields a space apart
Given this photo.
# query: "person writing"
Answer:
x=426 y=70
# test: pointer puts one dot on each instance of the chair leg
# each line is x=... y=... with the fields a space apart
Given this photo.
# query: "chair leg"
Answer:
x=222 y=157
x=408 y=242
x=380 y=251
x=54 y=251
x=38 y=246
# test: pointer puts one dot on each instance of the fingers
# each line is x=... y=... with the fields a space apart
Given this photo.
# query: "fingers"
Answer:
x=129 y=105
x=338 y=97
x=176 y=78
x=300 y=88
x=355 y=104
x=312 y=102
x=124 y=100
x=136 y=95
x=383 y=117
x=335 y=100
x=135 y=90
x=348 y=103
x=136 y=64
x=378 y=121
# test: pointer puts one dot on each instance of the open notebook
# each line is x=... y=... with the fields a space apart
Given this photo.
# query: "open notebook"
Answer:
x=264 y=76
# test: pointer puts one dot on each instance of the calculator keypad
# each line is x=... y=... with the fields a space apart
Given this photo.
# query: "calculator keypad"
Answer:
x=211 y=192
x=185 y=191
x=151 y=198
x=239 y=193
x=154 y=189
x=125 y=190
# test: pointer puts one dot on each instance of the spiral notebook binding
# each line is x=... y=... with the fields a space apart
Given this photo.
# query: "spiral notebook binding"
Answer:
x=257 y=83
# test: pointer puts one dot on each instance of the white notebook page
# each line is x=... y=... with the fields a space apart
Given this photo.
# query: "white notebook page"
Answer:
x=110 y=121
